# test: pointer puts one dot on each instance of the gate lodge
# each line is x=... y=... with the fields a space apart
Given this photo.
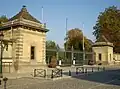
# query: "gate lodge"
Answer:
x=28 y=36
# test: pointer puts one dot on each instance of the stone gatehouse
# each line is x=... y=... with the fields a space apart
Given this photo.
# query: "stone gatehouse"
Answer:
x=27 y=47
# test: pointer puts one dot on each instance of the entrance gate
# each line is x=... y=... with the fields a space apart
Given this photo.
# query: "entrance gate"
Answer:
x=68 y=56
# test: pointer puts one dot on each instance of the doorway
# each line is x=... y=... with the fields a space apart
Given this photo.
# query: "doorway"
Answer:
x=32 y=52
x=100 y=56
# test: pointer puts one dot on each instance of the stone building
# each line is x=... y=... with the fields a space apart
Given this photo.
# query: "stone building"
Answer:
x=28 y=37
x=103 y=51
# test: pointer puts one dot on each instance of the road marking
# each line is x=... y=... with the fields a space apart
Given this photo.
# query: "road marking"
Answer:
x=102 y=84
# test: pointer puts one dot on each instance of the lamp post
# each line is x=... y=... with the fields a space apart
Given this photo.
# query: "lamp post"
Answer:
x=1 y=39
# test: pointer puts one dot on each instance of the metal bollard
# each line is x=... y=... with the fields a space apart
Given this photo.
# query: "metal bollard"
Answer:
x=76 y=70
x=69 y=73
x=98 y=68
x=82 y=69
x=44 y=73
x=61 y=72
x=85 y=70
x=0 y=82
x=92 y=69
x=103 y=68
x=34 y=72
x=52 y=74
x=5 y=81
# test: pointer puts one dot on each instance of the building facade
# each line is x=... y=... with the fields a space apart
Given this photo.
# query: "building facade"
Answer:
x=103 y=51
x=28 y=36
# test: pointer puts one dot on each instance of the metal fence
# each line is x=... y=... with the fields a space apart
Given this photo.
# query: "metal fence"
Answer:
x=67 y=57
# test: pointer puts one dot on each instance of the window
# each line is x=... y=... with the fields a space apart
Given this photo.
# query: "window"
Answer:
x=32 y=52
x=100 y=56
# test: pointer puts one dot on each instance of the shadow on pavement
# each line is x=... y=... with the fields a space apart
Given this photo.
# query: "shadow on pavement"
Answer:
x=106 y=77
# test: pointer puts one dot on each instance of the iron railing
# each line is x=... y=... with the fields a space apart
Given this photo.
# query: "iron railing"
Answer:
x=39 y=73
x=56 y=73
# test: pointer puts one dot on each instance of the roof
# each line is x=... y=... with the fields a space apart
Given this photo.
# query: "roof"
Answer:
x=25 y=15
x=102 y=38
x=90 y=41
x=102 y=41
x=23 y=18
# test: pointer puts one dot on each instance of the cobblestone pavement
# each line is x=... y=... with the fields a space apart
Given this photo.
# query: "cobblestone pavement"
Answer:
x=70 y=83
x=102 y=80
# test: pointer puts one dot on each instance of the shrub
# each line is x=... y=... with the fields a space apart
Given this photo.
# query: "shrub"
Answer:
x=53 y=62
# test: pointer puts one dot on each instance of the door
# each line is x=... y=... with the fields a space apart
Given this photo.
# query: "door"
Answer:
x=100 y=57
x=32 y=52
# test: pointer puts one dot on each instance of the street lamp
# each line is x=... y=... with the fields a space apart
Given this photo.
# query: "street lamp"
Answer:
x=1 y=39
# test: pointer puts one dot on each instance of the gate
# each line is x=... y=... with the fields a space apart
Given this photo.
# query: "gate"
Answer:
x=67 y=57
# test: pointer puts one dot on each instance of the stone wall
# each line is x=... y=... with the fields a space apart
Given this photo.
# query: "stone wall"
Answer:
x=20 y=49
x=106 y=54
x=37 y=39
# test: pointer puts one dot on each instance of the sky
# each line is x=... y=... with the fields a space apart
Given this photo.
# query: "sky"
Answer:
x=81 y=14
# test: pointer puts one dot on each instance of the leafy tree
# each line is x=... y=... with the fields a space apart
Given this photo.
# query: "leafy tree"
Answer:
x=108 y=24
x=75 y=38
x=52 y=46
x=3 y=19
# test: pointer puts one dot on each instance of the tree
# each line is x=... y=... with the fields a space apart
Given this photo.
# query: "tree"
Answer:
x=52 y=46
x=108 y=24
x=75 y=38
x=3 y=19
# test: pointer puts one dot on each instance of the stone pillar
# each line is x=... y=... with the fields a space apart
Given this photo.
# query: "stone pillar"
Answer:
x=59 y=62
x=73 y=62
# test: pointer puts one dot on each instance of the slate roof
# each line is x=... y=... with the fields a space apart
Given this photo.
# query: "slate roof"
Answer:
x=25 y=15
x=102 y=38
x=102 y=41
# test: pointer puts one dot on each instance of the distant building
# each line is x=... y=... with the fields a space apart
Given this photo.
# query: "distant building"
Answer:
x=28 y=48
x=103 y=52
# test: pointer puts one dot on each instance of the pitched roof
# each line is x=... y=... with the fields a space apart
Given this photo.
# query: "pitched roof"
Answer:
x=25 y=15
x=90 y=41
x=102 y=38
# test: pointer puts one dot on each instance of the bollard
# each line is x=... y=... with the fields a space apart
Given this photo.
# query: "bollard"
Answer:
x=98 y=68
x=82 y=69
x=92 y=69
x=85 y=70
x=0 y=82
x=34 y=72
x=103 y=68
x=59 y=62
x=61 y=72
x=52 y=74
x=5 y=81
x=44 y=73
x=69 y=73
x=76 y=70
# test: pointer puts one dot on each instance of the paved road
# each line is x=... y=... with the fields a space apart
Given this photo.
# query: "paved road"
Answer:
x=99 y=80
